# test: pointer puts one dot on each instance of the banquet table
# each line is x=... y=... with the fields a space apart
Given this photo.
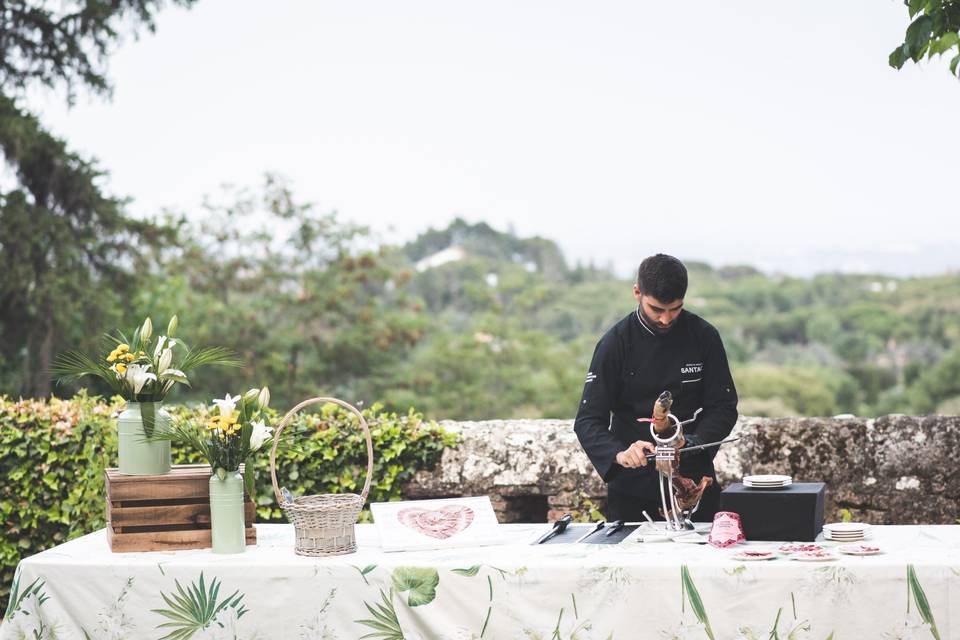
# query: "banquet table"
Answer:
x=80 y=589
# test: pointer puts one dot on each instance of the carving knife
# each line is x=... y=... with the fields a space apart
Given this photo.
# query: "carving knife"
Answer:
x=597 y=527
x=651 y=456
x=558 y=527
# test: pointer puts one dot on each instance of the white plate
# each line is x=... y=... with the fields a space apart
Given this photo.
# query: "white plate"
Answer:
x=766 y=479
x=852 y=534
x=814 y=557
x=846 y=527
x=743 y=555
x=848 y=539
x=767 y=486
x=860 y=549
x=799 y=547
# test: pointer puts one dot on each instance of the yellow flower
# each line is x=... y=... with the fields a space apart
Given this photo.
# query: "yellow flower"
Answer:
x=121 y=368
x=112 y=357
x=129 y=357
x=123 y=348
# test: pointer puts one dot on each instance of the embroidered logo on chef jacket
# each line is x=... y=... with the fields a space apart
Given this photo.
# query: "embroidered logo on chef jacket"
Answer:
x=691 y=371
x=591 y=376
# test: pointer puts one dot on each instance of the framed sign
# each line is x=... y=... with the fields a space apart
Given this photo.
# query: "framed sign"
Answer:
x=436 y=524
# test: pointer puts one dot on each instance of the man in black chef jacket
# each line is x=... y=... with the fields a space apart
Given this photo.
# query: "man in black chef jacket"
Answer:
x=658 y=347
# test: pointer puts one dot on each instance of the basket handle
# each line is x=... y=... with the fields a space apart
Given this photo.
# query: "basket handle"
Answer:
x=286 y=422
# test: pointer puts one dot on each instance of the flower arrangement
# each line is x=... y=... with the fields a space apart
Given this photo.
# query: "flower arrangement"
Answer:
x=228 y=433
x=144 y=368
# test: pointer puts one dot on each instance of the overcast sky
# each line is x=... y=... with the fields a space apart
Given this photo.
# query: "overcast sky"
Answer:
x=768 y=133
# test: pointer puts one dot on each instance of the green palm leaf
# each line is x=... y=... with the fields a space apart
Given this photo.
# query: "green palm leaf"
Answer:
x=70 y=366
x=195 y=608
x=923 y=605
x=35 y=588
x=385 y=623
x=206 y=356
x=693 y=596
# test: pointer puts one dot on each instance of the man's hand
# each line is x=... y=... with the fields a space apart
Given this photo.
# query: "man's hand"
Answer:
x=636 y=455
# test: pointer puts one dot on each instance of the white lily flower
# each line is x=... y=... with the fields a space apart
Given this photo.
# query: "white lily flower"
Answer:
x=163 y=342
x=165 y=359
x=264 y=398
x=146 y=331
x=260 y=434
x=138 y=375
x=176 y=375
x=228 y=405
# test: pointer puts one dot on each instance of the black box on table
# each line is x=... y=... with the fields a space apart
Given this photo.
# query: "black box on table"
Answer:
x=793 y=513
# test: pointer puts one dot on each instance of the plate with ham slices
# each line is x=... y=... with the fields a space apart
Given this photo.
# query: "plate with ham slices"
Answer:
x=814 y=556
x=750 y=556
x=859 y=550
x=799 y=547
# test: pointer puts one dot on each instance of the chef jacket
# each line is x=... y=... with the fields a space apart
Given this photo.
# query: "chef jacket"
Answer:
x=631 y=366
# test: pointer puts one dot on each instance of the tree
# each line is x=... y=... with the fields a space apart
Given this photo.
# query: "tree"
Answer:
x=935 y=30
x=304 y=298
x=68 y=253
x=67 y=45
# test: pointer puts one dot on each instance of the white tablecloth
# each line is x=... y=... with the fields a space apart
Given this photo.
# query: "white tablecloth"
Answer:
x=632 y=590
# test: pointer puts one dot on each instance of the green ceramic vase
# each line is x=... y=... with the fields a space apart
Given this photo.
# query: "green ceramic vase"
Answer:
x=138 y=457
x=226 y=513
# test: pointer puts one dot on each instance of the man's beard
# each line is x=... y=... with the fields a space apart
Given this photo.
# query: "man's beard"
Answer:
x=655 y=326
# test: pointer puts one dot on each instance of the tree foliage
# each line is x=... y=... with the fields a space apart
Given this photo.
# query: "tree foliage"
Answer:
x=934 y=30
x=69 y=254
x=66 y=43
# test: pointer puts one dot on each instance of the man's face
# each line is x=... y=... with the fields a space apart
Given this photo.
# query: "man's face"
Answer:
x=659 y=315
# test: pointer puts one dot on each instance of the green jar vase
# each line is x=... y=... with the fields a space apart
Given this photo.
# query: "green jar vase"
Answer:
x=139 y=457
x=227 y=527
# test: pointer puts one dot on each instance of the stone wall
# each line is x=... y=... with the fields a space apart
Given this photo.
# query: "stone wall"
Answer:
x=890 y=470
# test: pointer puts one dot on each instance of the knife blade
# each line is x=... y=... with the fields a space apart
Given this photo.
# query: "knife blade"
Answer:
x=596 y=527
x=615 y=526
x=558 y=527
x=651 y=456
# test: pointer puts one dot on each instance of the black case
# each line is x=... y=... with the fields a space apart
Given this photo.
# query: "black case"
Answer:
x=794 y=513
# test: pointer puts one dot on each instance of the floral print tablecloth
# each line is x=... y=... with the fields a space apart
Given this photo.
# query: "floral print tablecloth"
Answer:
x=551 y=592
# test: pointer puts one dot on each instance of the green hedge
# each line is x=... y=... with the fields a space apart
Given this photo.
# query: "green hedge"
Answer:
x=53 y=455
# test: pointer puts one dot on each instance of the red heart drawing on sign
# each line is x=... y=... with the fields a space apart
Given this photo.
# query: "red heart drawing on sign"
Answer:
x=439 y=523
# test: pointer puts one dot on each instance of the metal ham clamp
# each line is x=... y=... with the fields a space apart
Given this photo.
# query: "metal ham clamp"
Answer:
x=683 y=493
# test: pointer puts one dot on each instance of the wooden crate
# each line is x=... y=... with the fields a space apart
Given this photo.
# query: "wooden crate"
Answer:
x=168 y=512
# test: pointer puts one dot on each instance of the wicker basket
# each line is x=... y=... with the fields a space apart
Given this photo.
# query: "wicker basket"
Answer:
x=324 y=524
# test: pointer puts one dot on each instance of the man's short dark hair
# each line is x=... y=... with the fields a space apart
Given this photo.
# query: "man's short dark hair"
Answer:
x=663 y=277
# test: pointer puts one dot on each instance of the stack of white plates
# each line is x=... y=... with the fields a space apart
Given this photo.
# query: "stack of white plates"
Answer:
x=767 y=482
x=847 y=531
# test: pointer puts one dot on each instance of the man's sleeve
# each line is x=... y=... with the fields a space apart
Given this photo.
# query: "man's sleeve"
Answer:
x=601 y=388
x=719 y=396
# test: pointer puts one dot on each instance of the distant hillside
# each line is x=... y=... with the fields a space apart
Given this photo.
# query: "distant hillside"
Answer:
x=481 y=240
x=832 y=343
